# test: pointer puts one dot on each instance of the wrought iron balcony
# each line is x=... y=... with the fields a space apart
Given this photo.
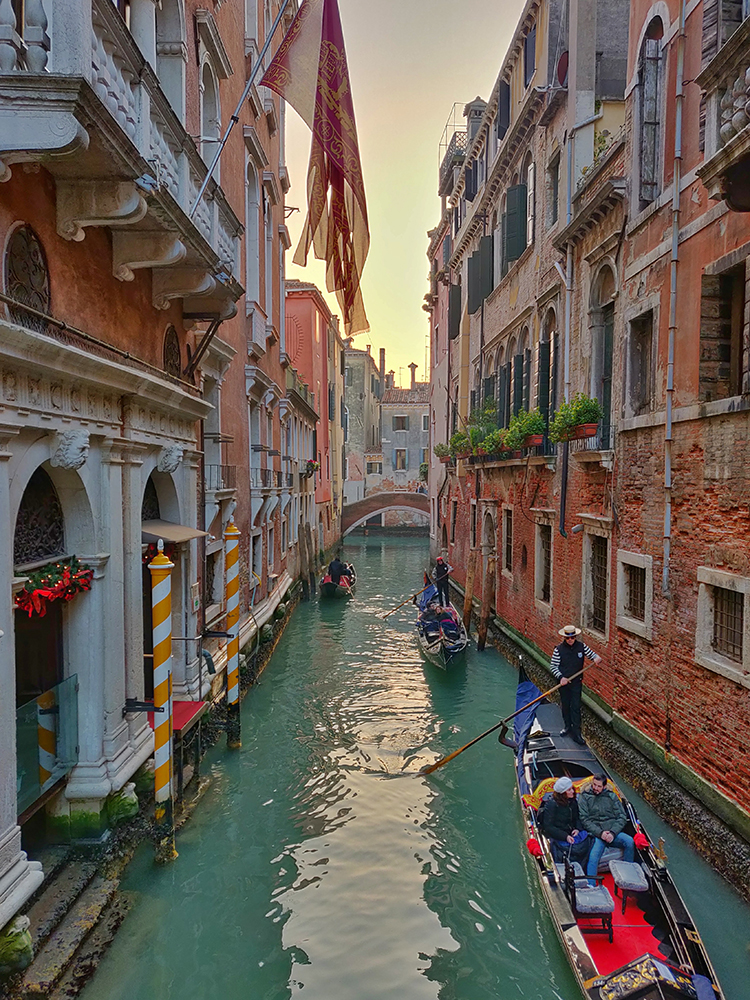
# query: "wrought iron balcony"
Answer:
x=220 y=477
x=725 y=81
x=454 y=156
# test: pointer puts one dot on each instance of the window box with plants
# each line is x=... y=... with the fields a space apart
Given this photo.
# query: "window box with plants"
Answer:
x=577 y=419
x=443 y=453
x=532 y=425
x=459 y=445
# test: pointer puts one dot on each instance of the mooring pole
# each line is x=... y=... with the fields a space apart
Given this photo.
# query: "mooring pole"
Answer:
x=231 y=561
x=304 y=571
x=161 y=619
x=469 y=591
x=488 y=600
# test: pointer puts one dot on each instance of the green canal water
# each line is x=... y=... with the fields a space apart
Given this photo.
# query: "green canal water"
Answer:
x=320 y=861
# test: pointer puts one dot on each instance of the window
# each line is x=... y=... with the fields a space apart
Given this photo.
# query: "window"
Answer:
x=425 y=455
x=529 y=175
x=508 y=539
x=635 y=593
x=425 y=421
x=529 y=56
x=252 y=237
x=602 y=343
x=347 y=375
x=374 y=468
x=454 y=515
x=515 y=224
x=270 y=548
x=649 y=108
x=722 y=333
x=401 y=423
x=400 y=460
x=170 y=46
x=283 y=535
x=210 y=117
x=553 y=191
x=503 y=109
x=722 y=635
x=598 y=570
x=27 y=277
x=640 y=383
x=543 y=569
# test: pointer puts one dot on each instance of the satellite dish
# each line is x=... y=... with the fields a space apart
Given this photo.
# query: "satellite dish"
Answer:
x=562 y=69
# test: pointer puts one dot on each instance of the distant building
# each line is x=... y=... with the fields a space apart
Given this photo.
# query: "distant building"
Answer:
x=405 y=419
x=362 y=390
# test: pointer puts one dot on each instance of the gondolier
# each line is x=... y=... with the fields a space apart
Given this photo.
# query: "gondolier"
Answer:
x=568 y=660
x=443 y=571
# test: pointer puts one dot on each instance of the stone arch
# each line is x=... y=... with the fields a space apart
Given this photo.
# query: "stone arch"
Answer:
x=166 y=494
x=603 y=297
x=171 y=53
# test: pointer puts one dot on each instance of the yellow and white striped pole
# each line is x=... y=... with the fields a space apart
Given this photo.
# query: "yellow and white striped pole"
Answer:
x=231 y=563
x=161 y=613
x=46 y=729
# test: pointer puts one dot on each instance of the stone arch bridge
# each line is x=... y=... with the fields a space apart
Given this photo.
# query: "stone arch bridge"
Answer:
x=355 y=514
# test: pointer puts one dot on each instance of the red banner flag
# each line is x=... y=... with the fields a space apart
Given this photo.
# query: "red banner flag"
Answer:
x=310 y=72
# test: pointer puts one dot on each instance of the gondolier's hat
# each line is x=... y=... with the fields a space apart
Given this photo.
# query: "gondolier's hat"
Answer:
x=569 y=631
x=562 y=785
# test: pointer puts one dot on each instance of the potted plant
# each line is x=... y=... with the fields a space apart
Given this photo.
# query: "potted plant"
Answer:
x=459 y=445
x=515 y=434
x=533 y=425
x=477 y=435
x=442 y=452
x=578 y=418
x=423 y=471
x=311 y=467
x=494 y=443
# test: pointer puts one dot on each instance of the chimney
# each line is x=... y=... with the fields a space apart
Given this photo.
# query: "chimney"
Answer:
x=389 y=379
x=382 y=366
x=473 y=114
x=413 y=368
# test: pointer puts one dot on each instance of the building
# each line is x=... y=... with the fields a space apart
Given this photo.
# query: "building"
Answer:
x=145 y=386
x=316 y=351
x=362 y=390
x=592 y=239
x=405 y=419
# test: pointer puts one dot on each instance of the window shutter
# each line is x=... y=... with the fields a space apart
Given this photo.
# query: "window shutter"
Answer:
x=406 y=458
x=503 y=109
x=406 y=423
x=454 y=312
x=649 y=73
x=501 y=377
x=393 y=423
x=342 y=363
x=446 y=249
x=486 y=278
x=504 y=245
x=526 y=379
x=393 y=459
x=475 y=297
x=470 y=186
x=489 y=389
x=544 y=357
x=530 y=205
x=517 y=383
x=515 y=226
x=529 y=56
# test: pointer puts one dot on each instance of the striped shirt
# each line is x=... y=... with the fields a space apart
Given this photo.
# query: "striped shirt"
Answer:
x=554 y=664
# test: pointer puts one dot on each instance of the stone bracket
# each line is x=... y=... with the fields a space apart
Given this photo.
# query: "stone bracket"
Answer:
x=134 y=250
x=96 y=203
x=180 y=283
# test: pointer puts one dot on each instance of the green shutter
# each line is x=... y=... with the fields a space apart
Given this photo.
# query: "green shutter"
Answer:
x=486 y=277
x=543 y=373
x=503 y=109
x=393 y=459
x=501 y=376
x=454 y=312
x=503 y=245
x=517 y=383
x=475 y=298
x=489 y=389
x=527 y=380
x=393 y=423
x=406 y=458
x=406 y=423
x=515 y=226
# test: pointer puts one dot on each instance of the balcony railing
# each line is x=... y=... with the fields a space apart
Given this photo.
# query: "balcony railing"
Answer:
x=46 y=741
x=220 y=477
x=455 y=155
x=266 y=479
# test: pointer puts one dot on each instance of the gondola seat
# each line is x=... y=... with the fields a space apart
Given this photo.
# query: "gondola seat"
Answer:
x=628 y=877
x=588 y=901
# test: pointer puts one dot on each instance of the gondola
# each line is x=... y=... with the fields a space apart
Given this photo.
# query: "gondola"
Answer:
x=344 y=588
x=441 y=634
x=630 y=938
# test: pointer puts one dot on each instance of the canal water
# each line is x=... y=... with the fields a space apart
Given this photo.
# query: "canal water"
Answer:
x=320 y=861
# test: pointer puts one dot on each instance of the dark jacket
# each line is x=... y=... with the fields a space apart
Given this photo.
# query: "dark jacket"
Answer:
x=601 y=812
x=336 y=569
x=559 y=821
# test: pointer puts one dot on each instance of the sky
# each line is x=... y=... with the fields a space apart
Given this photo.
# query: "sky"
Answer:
x=409 y=61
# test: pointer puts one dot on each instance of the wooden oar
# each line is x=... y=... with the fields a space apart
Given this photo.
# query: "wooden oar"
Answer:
x=429 y=768
x=410 y=598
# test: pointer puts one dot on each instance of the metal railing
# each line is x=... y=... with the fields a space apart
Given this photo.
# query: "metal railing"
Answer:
x=46 y=741
x=220 y=477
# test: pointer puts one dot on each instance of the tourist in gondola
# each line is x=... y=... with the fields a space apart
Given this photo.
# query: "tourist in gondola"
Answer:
x=443 y=571
x=603 y=816
x=568 y=660
x=560 y=821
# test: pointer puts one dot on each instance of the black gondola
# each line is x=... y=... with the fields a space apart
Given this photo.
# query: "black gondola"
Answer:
x=441 y=634
x=628 y=938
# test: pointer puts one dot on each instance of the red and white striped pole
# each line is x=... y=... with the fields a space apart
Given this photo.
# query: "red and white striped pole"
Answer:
x=161 y=620
x=231 y=563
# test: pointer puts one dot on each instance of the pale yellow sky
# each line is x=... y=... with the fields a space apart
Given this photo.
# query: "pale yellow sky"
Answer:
x=409 y=61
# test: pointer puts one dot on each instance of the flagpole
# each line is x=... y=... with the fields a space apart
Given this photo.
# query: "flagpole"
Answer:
x=236 y=116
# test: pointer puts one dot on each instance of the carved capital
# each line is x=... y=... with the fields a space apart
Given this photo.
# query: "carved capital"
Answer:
x=71 y=450
x=96 y=203
x=134 y=250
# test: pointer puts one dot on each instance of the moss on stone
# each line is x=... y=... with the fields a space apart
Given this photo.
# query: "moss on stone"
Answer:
x=16 y=949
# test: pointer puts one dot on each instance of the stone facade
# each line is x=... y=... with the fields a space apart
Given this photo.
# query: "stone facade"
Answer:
x=612 y=286
x=363 y=382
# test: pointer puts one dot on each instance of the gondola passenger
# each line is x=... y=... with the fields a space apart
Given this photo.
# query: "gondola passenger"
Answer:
x=560 y=822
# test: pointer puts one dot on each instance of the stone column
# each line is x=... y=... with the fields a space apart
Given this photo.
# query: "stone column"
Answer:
x=19 y=877
x=143 y=28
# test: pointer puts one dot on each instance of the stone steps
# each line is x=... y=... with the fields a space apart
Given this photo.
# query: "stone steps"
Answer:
x=57 y=953
x=88 y=956
x=57 y=898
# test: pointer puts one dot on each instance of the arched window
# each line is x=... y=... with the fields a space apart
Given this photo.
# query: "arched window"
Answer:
x=602 y=325
x=40 y=529
x=210 y=116
x=150 y=510
x=252 y=234
x=528 y=178
x=547 y=364
x=27 y=277
x=171 y=53
x=172 y=353
x=268 y=255
x=649 y=111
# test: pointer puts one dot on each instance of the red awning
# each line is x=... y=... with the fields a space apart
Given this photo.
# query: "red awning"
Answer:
x=185 y=714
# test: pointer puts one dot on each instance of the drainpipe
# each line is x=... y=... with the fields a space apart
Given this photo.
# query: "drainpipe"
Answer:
x=676 y=178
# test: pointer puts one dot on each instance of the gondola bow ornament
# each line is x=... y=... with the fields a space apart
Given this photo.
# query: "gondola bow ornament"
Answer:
x=310 y=72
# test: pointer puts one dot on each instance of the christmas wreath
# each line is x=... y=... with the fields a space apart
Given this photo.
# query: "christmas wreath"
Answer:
x=56 y=581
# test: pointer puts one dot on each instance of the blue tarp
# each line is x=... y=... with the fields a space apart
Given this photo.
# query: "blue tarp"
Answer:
x=430 y=594
x=527 y=691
